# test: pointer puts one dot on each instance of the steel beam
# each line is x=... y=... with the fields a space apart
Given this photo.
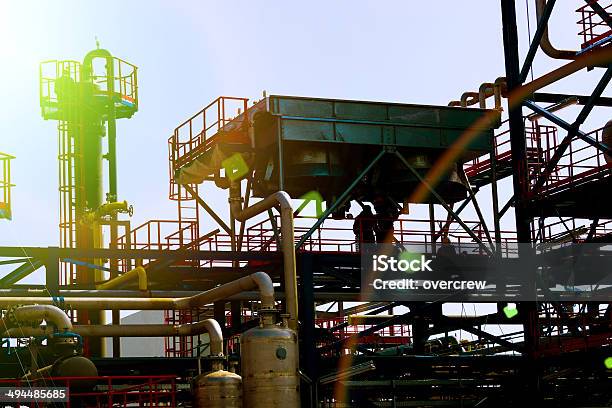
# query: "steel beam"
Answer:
x=61 y=253
x=479 y=214
x=443 y=203
x=339 y=200
x=20 y=272
x=449 y=219
x=207 y=208
x=572 y=130
x=547 y=97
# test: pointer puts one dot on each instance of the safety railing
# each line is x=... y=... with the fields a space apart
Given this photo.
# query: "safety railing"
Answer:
x=193 y=136
x=107 y=392
x=580 y=163
x=567 y=229
x=568 y=327
x=124 y=83
x=340 y=235
x=393 y=334
x=159 y=235
x=592 y=29
x=166 y=235
x=537 y=138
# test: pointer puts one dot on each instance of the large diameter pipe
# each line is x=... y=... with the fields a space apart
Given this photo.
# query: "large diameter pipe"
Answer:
x=283 y=200
x=209 y=326
x=37 y=313
x=545 y=43
x=257 y=280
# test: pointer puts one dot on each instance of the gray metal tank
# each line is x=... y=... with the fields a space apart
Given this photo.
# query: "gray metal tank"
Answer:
x=76 y=366
x=218 y=389
x=269 y=360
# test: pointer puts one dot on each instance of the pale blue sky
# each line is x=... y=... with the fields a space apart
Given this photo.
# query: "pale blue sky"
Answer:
x=190 y=52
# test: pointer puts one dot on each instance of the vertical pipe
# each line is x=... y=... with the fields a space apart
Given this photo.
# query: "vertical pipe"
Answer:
x=114 y=266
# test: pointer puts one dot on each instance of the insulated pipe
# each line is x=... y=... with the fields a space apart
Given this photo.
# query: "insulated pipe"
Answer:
x=282 y=199
x=138 y=272
x=484 y=91
x=545 y=43
x=123 y=293
x=38 y=313
x=257 y=280
x=500 y=88
x=209 y=326
x=469 y=98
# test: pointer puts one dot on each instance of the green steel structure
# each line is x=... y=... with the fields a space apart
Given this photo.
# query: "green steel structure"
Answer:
x=87 y=99
x=300 y=144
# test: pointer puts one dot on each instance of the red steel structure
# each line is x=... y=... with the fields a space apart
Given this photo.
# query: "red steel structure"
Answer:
x=107 y=391
x=592 y=28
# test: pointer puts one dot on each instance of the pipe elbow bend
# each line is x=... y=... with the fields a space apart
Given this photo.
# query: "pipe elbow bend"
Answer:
x=37 y=313
x=216 y=336
x=284 y=199
x=266 y=289
x=143 y=282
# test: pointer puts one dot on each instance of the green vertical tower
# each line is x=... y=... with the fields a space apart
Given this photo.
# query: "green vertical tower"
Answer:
x=87 y=99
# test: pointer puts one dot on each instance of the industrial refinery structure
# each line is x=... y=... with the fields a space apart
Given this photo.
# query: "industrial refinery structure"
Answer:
x=268 y=308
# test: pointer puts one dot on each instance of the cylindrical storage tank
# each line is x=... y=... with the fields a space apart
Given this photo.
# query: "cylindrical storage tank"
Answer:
x=607 y=139
x=218 y=389
x=76 y=366
x=269 y=360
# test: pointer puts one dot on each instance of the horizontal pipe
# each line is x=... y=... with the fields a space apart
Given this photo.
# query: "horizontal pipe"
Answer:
x=258 y=280
x=209 y=326
x=124 y=293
